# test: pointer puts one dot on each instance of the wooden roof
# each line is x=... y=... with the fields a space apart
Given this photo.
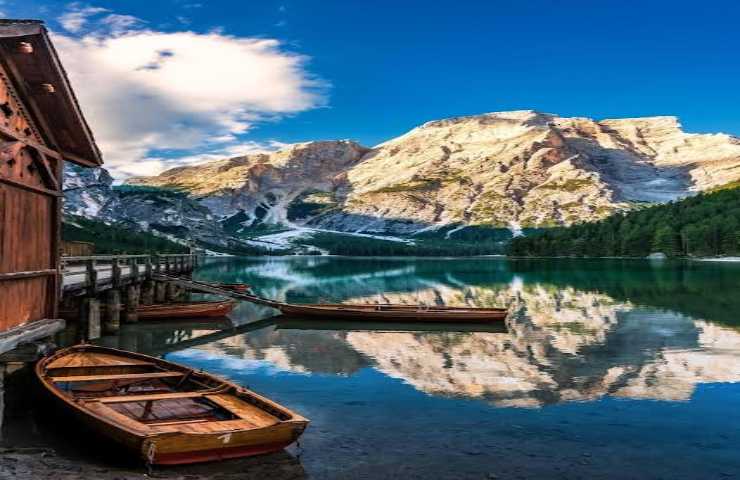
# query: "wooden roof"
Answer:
x=29 y=56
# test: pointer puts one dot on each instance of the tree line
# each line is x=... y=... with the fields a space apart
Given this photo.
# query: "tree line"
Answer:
x=704 y=225
x=116 y=238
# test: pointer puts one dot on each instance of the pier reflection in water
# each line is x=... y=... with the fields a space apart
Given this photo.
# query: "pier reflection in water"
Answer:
x=606 y=369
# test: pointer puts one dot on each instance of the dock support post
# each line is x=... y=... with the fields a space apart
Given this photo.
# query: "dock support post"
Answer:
x=132 y=303
x=90 y=316
x=113 y=312
x=171 y=289
x=147 y=292
x=160 y=293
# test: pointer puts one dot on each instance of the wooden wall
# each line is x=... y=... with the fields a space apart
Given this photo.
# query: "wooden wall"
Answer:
x=30 y=197
x=78 y=249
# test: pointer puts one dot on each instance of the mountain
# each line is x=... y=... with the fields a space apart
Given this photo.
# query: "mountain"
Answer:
x=503 y=170
x=89 y=194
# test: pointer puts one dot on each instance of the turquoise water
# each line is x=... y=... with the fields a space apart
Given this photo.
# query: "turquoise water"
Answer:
x=606 y=369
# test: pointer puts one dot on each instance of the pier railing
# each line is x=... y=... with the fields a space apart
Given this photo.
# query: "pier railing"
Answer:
x=99 y=272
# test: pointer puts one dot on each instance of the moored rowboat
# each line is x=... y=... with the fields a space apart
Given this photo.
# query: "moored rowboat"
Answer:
x=165 y=412
x=385 y=312
x=234 y=287
x=185 y=310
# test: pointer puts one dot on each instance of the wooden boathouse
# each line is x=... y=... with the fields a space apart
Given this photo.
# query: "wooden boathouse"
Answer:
x=41 y=127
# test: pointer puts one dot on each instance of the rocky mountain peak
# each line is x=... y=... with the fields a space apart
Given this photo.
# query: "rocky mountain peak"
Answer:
x=510 y=170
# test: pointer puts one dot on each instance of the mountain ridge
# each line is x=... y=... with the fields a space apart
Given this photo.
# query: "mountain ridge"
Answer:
x=509 y=170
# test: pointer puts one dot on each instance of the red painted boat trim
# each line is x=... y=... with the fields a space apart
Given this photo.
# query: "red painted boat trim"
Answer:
x=217 y=454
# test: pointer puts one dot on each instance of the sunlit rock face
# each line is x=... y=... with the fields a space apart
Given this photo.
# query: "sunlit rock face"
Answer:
x=527 y=168
x=262 y=186
x=505 y=169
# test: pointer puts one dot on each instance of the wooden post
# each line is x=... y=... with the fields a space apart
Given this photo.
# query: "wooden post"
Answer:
x=116 y=273
x=167 y=265
x=148 y=268
x=132 y=303
x=160 y=294
x=147 y=292
x=157 y=264
x=112 y=322
x=91 y=276
x=134 y=269
x=90 y=316
x=171 y=292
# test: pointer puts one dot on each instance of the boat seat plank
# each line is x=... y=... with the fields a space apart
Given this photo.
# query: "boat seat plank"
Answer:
x=243 y=410
x=152 y=397
x=205 y=427
x=94 y=359
x=120 y=376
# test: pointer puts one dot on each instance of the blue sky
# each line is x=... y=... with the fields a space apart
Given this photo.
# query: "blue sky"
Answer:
x=370 y=71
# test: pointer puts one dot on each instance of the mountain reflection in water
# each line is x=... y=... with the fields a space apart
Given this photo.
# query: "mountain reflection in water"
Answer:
x=576 y=333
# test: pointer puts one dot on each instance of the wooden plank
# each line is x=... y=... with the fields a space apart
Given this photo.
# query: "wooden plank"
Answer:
x=243 y=410
x=31 y=274
x=152 y=397
x=86 y=359
x=120 y=376
x=31 y=188
x=9 y=339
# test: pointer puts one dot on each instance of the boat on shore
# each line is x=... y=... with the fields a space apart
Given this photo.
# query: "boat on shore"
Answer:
x=185 y=310
x=163 y=412
x=393 y=313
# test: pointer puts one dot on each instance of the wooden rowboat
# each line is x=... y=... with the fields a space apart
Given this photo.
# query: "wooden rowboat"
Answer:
x=234 y=287
x=164 y=412
x=185 y=310
x=401 y=313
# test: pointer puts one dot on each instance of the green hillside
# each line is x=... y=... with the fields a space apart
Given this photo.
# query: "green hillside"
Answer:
x=116 y=238
x=705 y=225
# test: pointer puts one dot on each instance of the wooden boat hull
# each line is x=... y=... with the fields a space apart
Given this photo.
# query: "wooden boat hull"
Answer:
x=173 y=442
x=314 y=323
x=185 y=310
x=394 y=313
x=235 y=287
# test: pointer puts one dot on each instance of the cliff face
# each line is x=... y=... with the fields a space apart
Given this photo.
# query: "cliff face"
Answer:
x=264 y=185
x=505 y=169
x=89 y=193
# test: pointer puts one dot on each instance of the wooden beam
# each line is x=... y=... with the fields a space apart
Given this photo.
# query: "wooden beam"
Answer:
x=74 y=158
x=30 y=274
x=154 y=396
x=120 y=376
x=30 y=188
x=29 y=332
x=30 y=143
x=46 y=171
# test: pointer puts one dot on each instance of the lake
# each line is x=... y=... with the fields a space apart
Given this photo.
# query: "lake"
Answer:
x=606 y=369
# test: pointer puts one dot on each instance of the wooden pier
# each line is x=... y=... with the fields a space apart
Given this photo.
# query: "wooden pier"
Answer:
x=120 y=283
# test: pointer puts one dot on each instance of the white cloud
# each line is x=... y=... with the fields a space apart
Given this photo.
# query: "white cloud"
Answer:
x=154 y=165
x=144 y=90
x=77 y=16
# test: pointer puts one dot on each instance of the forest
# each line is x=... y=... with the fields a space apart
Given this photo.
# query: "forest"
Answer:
x=338 y=244
x=116 y=238
x=707 y=224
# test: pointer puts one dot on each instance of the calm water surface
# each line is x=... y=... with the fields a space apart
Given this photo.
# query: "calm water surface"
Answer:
x=607 y=369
